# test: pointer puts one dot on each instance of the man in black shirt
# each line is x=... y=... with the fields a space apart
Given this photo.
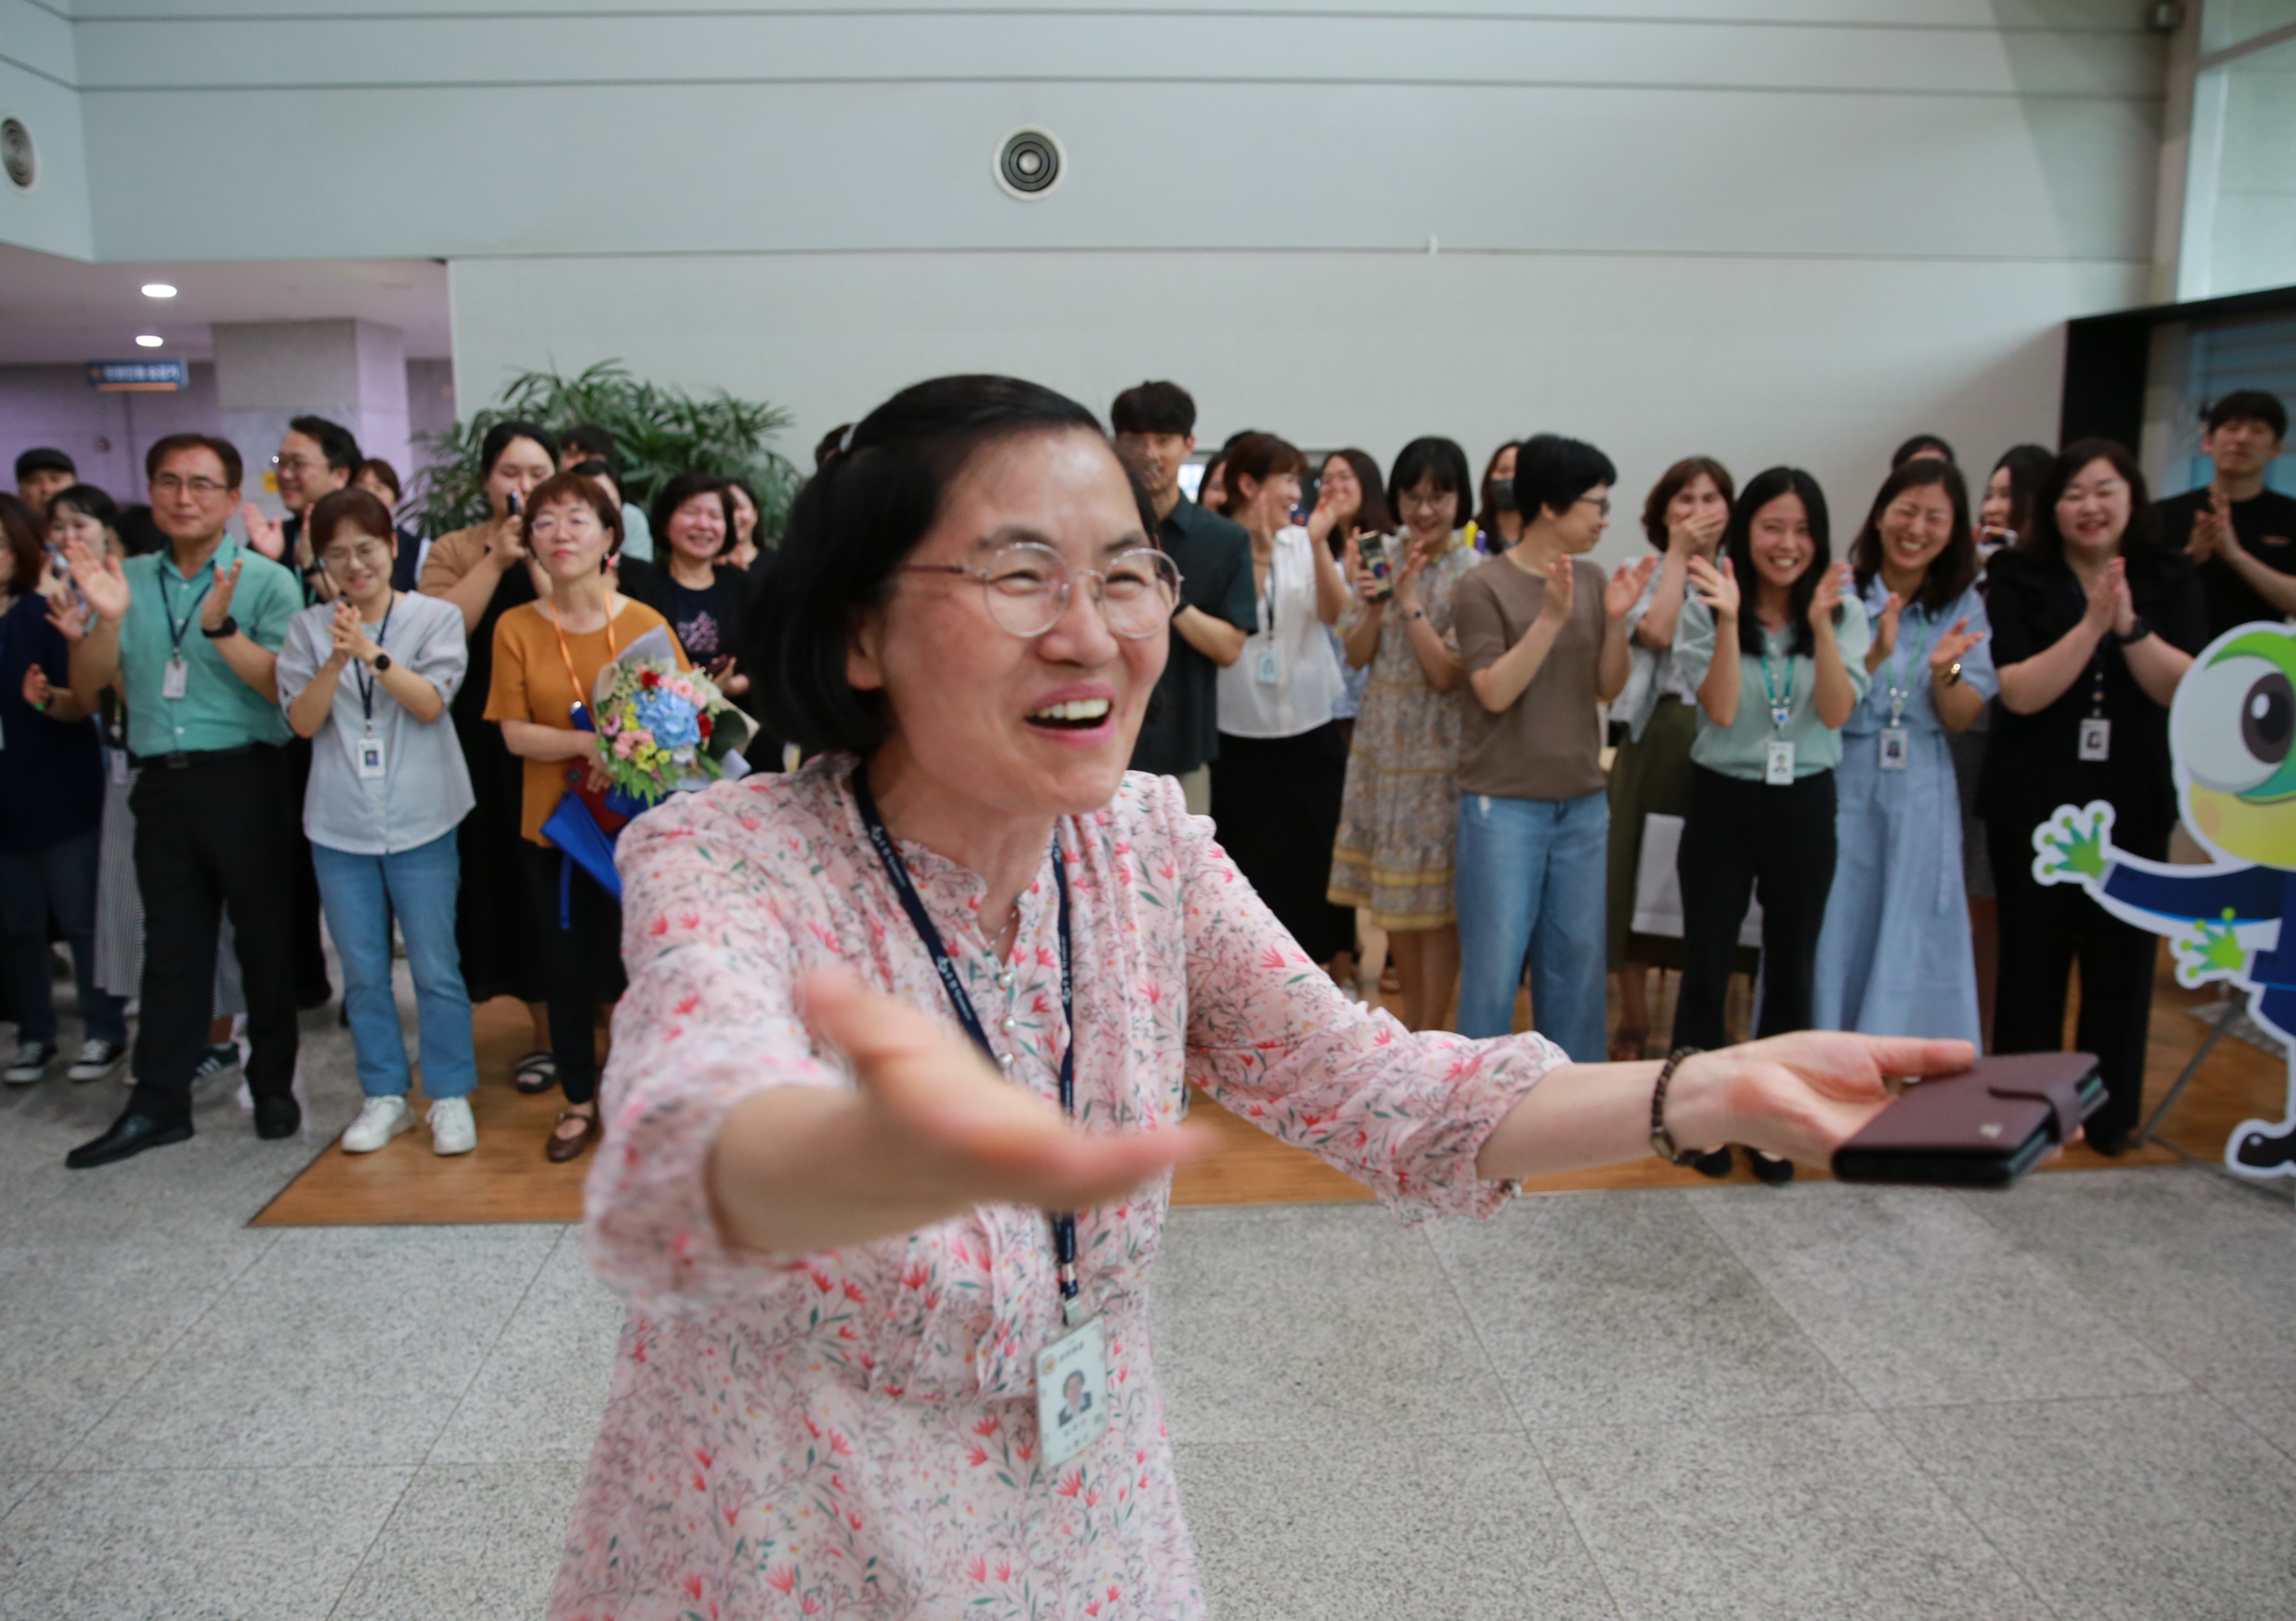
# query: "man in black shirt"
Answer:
x=1155 y=430
x=2243 y=534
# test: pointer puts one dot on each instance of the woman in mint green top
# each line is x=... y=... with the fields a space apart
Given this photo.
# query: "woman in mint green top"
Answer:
x=1770 y=734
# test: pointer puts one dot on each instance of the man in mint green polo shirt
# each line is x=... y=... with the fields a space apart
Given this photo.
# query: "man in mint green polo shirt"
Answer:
x=190 y=637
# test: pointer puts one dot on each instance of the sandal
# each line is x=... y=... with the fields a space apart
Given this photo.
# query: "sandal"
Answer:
x=559 y=1149
x=536 y=1072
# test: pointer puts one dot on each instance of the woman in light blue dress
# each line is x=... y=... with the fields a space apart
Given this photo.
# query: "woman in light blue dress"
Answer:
x=1894 y=954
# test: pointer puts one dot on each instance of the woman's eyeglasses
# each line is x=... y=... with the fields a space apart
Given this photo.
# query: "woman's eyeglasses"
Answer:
x=1027 y=587
x=375 y=554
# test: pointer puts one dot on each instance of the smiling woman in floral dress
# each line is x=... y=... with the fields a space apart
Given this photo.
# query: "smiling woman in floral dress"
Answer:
x=825 y=1206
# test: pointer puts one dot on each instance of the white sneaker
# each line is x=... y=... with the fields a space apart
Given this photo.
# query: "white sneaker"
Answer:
x=382 y=1119
x=32 y=1061
x=452 y=1129
x=97 y=1059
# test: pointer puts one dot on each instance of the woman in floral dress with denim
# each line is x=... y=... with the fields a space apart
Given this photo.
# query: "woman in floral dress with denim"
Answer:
x=826 y=1207
x=1399 y=813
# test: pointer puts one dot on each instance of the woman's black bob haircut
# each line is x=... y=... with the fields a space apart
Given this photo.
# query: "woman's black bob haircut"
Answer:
x=504 y=434
x=675 y=492
x=1447 y=462
x=1953 y=570
x=2140 y=542
x=867 y=508
x=1551 y=472
x=1738 y=545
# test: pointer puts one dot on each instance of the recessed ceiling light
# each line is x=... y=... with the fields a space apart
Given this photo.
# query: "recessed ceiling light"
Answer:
x=149 y=341
x=158 y=289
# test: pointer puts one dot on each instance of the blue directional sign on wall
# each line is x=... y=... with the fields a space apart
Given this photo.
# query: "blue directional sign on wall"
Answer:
x=138 y=376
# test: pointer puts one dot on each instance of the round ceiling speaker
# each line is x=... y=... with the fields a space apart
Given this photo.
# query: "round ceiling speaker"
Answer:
x=1031 y=163
x=18 y=154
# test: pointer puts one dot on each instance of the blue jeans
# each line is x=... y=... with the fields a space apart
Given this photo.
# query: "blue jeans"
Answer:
x=360 y=893
x=60 y=879
x=1531 y=881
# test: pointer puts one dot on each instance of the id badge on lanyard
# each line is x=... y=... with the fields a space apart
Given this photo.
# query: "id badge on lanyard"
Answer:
x=1072 y=1383
x=1267 y=669
x=2095 y=744
x=1778 y=764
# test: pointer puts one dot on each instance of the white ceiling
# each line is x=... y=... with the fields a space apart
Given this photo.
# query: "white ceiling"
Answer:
x=60 y=310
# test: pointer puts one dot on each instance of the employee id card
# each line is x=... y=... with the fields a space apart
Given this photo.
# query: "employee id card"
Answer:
x=1778 y=769
x=176 y=677
x=1073 y=1392
x=1269 y=670
x=1897 y=746
x=370 y=756
x=2096 y=738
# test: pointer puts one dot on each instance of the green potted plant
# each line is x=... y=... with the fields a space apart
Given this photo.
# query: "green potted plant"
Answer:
x=658 y=431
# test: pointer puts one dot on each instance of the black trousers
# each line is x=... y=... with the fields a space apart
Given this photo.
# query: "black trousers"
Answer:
x=217 y=834
x=2045 y=930
x=1739 y=839
x=1277 y=803
x=311 y=987
x=579 y=949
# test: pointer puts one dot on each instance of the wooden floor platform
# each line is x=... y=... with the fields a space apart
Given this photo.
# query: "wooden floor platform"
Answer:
x=508 y=1180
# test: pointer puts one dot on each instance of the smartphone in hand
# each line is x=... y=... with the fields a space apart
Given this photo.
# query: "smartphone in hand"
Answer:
x=1373 y=549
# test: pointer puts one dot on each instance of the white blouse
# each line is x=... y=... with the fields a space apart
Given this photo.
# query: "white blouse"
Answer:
x=1288 y=680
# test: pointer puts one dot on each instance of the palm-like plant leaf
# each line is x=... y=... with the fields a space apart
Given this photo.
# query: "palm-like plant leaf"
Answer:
x=658 y=433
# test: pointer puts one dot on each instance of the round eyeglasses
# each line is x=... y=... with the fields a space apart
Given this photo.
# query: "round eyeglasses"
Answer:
x=1027 y=587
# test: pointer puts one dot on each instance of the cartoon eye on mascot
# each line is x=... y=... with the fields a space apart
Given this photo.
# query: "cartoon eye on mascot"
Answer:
x=2230 y=732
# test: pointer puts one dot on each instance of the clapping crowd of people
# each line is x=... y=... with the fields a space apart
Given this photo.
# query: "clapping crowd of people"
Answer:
x=1440 y=741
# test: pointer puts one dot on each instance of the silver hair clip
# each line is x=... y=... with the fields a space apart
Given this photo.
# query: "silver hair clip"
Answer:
x=845 y=443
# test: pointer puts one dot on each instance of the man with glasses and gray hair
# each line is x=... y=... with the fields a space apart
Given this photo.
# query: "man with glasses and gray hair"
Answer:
x=190 y=636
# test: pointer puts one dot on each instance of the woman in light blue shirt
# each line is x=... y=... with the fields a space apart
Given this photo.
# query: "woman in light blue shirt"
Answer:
x=1895 y=955
x=1774 y=684
x=368 y=678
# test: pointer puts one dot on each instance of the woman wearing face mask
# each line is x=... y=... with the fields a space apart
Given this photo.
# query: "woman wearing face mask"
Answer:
x=1498 y=521
x=1775 y=646
x=547 y=656
x=1683 y=517
x=1894 y=955
x=1543 y=642
x=1282 y=765
x=486 y=571
x=366 y=677
x=1400 y=815
x=2094 y=625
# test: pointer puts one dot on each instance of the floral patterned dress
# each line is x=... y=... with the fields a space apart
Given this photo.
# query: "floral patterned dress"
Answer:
x=854 y=1433
x=1399 y=813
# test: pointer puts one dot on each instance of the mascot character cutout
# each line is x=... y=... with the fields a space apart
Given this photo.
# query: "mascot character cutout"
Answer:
x=2230 y=732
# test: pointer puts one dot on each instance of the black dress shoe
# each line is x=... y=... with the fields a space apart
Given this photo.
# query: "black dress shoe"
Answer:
x=1716 y=1165
x=277 y=1117
x=129 y=1136
x=1776 y=1172
x=2112 y=1145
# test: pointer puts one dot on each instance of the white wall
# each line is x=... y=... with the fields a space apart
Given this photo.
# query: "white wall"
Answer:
x=37 y=73
x=1763 y=227
x=1827 y=362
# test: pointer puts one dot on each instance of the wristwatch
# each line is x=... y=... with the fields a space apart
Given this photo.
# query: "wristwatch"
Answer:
x=1953 y=673
x=230 y=627
x=381 y=662
x=2138 y=629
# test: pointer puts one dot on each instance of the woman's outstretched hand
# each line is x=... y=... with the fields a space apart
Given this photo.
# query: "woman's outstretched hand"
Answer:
x=1799 y=1096
x=930 y=1132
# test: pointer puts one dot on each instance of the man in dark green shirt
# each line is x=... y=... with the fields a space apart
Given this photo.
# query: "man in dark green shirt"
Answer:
x=1155 y=428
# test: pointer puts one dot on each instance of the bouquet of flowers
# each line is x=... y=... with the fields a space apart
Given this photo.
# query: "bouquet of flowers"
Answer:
x=663 y=730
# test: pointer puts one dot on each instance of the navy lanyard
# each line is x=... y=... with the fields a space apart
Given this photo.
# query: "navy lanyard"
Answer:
x=898 y=873
x=168 y=607
x=367 y=681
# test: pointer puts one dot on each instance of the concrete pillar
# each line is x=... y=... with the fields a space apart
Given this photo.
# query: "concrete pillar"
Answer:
x=351 y=372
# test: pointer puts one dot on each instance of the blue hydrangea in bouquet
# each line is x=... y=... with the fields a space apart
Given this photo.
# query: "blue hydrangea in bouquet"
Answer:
x=661 y=730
